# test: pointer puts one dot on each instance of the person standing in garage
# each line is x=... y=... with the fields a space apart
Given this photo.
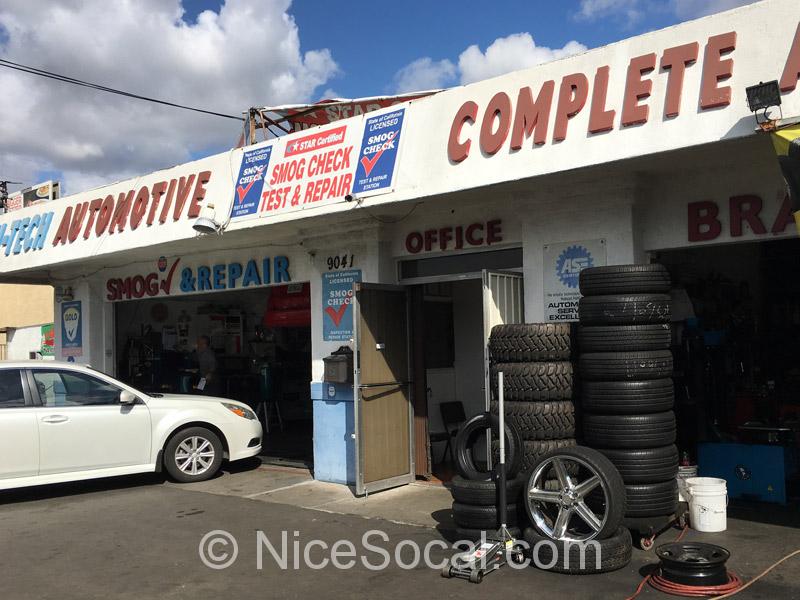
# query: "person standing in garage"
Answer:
x=207 y=367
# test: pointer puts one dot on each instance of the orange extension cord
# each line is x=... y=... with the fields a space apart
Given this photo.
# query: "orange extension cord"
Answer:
x=718 y=592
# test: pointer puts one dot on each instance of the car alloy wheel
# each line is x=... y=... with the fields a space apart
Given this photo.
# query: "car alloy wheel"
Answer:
x=572 y=495
x=195 y=455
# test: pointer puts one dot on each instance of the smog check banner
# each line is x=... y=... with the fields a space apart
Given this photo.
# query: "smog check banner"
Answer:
x=297 y=172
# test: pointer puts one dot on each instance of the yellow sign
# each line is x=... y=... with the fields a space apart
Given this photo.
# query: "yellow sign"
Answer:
x=787 y=146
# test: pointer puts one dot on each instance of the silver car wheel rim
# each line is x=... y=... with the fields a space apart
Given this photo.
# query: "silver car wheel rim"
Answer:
x=560 y=510
x=195 y=455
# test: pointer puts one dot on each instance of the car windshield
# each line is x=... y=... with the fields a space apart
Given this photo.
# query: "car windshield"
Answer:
x=151 y=394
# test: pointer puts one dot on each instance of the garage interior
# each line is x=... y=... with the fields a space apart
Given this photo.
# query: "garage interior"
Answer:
x=262 y=342
x=736 y=322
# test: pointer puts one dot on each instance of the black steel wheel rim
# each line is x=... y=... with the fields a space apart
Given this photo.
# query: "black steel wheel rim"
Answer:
x=693 y=563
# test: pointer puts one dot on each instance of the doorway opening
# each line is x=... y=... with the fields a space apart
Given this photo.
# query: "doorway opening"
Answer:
x=261 y=345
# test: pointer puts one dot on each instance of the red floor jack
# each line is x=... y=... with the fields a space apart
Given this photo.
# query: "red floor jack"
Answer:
x=497 y=549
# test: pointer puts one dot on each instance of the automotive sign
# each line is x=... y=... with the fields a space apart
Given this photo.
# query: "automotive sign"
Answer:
x=71 y=329
x=376 y=162
x=563 y=264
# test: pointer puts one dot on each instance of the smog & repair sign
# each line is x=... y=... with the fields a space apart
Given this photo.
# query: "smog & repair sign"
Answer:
x=562 y=266
x=376 y=162
x=71 y=329
x=337 y=304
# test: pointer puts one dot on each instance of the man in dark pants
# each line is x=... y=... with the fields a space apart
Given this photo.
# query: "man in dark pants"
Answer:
x=207 y=366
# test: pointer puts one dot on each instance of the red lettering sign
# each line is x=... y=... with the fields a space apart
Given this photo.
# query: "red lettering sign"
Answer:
x=455 y=238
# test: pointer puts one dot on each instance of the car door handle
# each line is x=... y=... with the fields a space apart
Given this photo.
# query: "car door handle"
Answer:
x=55 y=419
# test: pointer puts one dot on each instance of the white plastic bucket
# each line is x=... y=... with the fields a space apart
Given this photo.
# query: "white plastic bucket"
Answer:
x=685 y=473
x=708 y=503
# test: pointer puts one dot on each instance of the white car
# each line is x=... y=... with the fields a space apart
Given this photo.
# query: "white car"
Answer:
x=66 y=422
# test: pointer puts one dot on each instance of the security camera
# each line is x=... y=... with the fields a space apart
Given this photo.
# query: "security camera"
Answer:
x=349 y=198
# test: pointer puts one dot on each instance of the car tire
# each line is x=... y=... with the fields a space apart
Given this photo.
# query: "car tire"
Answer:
x=533 y=450
x=652 y=499
x=644 y=465
x=484 y=493
x=627 y=397
x=624 y=338
x=631 y=309
x=530 y=342
x=474 y=516
x=534 y=381
x=625 y=366
x=629 y=431
x=182 y=443
x=540 y=420
x=624 y=279
x=468 y=435
x=613 y=553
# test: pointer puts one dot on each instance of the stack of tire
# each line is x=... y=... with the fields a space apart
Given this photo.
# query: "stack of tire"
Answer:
x=474 y=489
x=538 y=385
x=627 y=392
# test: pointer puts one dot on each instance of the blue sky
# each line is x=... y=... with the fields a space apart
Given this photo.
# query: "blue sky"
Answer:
x=372 y=40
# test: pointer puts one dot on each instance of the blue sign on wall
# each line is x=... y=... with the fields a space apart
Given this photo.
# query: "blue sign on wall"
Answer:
x=337 y=305
x=252 y=173
x=378 y=152
x=71 y=329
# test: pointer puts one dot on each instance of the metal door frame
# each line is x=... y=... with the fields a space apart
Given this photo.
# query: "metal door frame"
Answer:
x=487 y=329
x=382 y=484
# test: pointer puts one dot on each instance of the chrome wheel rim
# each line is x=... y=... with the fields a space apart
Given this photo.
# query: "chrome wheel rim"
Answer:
x=564 y=506
x=195 y=455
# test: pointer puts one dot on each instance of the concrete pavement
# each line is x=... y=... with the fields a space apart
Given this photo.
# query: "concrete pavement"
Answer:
x=138 y=537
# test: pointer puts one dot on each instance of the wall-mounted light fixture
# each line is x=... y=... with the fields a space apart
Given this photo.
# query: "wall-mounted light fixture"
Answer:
x=762 y=97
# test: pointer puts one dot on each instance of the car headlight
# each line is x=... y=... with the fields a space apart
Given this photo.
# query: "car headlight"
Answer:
x=240 y=411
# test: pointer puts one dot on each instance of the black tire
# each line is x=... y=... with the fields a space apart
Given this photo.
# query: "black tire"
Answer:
x=624 y=279
x=171 y=454
x=534 y=381
x=627 y=397
x=472 y=535
x=629 y=431
x=632 y=309
x=534 y=450
x=625 y=366
x=540 y=420
x=471 y=431
x=484 y=493
x=614 y=553
x=603 y=468
x=624 y=338
x=644 y=465
x=473 y=516
x=530 y=342
x=652 y=499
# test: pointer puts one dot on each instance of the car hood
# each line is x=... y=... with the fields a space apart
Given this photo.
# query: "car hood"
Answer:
x=194 y=398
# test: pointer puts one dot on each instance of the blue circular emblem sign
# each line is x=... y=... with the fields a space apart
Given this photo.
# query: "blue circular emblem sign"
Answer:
x=571 y=262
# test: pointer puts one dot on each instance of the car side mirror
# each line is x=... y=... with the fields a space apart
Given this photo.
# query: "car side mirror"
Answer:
x=126 y=397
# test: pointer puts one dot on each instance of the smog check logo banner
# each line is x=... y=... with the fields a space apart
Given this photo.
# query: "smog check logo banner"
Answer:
x=571 y=262
x=250 y=181
x=375 y=169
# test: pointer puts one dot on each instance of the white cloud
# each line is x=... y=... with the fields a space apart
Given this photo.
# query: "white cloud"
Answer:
x=630 y=10
x=517 y=51
x=247 y=54
x=511 y=53
x=425 y=74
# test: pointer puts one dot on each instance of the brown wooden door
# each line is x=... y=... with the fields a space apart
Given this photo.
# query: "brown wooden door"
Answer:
x=383 y=390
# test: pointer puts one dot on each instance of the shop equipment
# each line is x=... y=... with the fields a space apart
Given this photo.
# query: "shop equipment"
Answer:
x=694 y=569
x=496 y=550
